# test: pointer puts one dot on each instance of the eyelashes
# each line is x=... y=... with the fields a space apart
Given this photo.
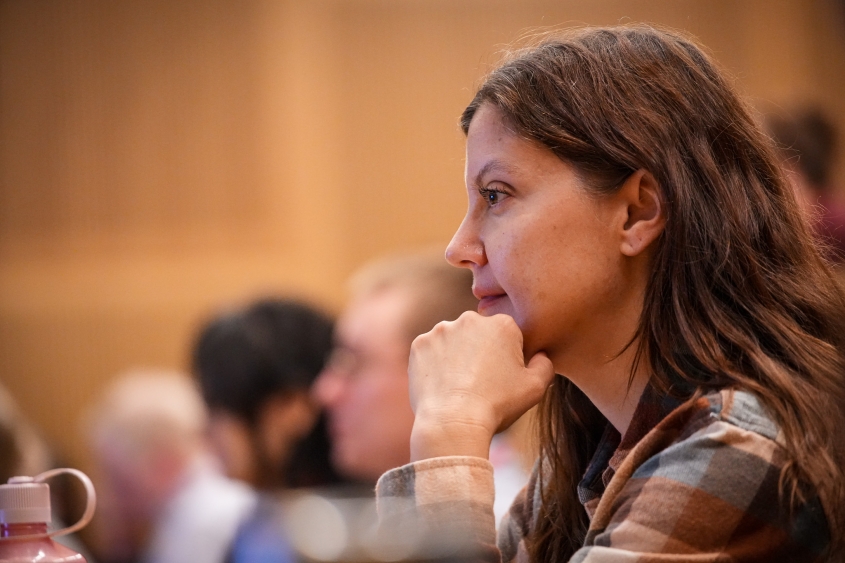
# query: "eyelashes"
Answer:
x=491 y=196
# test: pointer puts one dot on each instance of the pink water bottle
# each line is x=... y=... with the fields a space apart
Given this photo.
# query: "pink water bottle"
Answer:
x=24 y=515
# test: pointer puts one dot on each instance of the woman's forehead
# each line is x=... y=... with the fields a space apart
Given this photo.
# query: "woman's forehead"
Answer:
x=494 y=148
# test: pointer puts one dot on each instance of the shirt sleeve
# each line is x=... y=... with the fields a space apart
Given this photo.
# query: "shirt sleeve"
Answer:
x=449 y=498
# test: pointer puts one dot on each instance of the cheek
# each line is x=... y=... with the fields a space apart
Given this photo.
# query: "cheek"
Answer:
x=383 y=402
x=366 y=401
x=522 y=267
x=232 y=445
x=545 y=271
x=389 y=395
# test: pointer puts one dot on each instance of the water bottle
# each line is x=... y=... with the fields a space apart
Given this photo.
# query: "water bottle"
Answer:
x=25 y=513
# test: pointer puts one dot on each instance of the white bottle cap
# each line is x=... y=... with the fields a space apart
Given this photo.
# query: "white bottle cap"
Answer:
x=23 y=500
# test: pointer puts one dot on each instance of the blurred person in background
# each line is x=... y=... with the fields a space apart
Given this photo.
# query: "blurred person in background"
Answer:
x=255 y=367
x=365 y=385
x=807 y=143
x=163 y=497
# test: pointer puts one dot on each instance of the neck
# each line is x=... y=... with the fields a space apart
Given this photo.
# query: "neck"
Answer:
x=600 y=360
x=611 y=388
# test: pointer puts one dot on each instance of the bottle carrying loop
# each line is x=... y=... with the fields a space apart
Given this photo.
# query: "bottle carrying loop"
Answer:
x=83 y=520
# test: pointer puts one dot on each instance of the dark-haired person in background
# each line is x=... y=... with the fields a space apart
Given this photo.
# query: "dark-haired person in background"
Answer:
x=807 y=143
x=255 y=367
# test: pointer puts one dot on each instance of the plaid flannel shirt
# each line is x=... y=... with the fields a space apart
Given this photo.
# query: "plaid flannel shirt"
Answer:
x=696 y=481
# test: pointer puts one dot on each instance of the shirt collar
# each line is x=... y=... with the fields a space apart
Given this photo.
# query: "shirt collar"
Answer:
x=613 y=448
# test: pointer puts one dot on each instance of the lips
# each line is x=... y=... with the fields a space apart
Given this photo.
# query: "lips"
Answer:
x=486 y=303
x=487 y=296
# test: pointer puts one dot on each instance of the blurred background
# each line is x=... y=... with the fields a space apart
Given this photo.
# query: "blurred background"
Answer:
x=161 y=159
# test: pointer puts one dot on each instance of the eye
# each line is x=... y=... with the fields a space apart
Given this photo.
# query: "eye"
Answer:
x=491 y=196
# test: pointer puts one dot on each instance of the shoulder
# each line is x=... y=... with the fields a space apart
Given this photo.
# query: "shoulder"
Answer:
x=743 y=410
x=724 y=430
x=736 y=410
x=707 y=480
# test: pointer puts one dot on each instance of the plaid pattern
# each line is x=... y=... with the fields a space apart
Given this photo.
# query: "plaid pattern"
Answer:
x=696 y=481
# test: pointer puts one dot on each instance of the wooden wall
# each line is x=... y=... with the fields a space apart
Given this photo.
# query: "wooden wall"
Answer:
x=160 y=159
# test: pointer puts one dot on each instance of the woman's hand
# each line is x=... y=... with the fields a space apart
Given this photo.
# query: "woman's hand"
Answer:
x=469 y=380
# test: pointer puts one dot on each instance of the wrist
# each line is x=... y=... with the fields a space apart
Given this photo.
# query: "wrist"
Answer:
x=434 y=437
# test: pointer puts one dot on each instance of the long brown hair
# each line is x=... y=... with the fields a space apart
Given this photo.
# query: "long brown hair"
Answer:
x=738 y=296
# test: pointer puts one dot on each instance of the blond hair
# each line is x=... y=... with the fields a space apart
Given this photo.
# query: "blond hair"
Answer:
x=438 y=291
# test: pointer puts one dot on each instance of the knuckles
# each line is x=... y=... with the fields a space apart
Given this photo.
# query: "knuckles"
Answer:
x=470 y=326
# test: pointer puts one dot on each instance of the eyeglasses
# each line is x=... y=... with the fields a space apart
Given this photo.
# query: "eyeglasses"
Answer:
x=344 y=361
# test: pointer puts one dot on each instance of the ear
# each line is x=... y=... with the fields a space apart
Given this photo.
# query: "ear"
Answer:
x=645 y=217
x=283 y=420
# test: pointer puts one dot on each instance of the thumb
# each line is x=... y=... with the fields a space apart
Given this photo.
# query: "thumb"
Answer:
x=540 y=368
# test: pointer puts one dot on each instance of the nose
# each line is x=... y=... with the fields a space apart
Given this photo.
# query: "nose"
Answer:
x=328 y=387
x=466 y=248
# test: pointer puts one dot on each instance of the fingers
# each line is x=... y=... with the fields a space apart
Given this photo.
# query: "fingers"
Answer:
x=473 y=369
x=538 y=374
x=540 y=367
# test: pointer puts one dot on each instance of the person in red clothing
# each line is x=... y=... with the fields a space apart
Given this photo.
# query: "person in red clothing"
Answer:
x=807 y=143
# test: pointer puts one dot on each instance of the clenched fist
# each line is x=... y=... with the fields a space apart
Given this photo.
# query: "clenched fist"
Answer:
x=468 y=380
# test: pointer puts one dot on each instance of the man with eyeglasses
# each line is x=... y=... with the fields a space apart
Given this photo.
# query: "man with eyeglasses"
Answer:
x=364 y=386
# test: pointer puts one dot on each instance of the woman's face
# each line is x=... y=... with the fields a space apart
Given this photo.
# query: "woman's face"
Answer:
x=541 y=249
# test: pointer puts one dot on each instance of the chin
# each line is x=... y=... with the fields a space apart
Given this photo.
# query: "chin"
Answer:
x=361 y=473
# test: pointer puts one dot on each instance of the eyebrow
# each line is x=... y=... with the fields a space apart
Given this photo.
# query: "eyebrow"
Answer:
x=492 y=166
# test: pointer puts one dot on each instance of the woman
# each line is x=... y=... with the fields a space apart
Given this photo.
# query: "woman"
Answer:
x=629 y=229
